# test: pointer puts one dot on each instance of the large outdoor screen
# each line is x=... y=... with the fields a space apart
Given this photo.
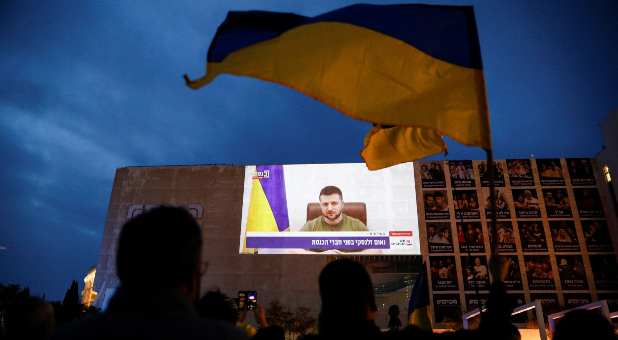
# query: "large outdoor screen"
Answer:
x=329 y=209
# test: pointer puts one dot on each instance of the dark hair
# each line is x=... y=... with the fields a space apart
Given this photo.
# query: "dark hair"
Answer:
x=270 y=333
x=329 y=190
x=162 y=246
x=393 y=310
x=347 y=295
x=217 y=306
x=583 y=324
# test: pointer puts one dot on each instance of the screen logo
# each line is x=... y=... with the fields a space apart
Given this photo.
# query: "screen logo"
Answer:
x=264 y=174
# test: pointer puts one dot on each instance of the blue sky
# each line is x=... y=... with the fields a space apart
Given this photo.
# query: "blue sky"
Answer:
x=90 y=86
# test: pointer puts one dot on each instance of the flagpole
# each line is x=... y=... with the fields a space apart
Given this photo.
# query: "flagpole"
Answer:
x=493 y=260
x=469 y=257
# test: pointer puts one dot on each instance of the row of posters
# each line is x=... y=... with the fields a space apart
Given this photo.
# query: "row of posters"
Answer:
x=448 y=307
x=458 y=250
x=538 y=270
x=519 y=171
x=471 y=239
x=525 y=202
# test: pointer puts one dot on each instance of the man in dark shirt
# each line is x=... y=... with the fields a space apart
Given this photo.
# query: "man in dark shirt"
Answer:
x=159 y=265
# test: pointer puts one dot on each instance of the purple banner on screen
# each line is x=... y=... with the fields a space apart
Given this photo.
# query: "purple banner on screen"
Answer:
x=319 y=242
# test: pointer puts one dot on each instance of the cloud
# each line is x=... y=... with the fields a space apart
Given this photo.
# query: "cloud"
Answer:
x=46 y=138
x=92 y=86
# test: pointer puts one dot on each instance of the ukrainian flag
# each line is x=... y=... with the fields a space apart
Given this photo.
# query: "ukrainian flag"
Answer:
x=268 y=207
x=414 y=71
x=418 y=305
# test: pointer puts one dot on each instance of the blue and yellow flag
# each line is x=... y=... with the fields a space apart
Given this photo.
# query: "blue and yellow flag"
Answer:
x=418 y=305
x=414 y=71
x=268 y=207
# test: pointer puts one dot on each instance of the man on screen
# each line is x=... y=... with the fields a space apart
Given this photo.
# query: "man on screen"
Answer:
x=333 y=218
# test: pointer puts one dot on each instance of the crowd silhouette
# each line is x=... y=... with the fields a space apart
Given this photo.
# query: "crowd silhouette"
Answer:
x=169 y=306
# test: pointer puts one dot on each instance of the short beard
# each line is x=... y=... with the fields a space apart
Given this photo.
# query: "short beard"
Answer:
x=333 y=219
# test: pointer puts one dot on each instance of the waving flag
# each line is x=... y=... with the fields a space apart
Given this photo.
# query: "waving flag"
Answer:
x=414 y=71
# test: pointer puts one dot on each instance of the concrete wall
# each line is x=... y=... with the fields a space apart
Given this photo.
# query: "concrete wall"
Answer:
x=214 y=194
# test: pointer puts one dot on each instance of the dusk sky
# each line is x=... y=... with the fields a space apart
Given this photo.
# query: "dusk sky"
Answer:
x=91 y=86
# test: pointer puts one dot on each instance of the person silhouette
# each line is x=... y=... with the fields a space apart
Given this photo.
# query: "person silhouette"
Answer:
x=394 y=324
x=584 y=324
x=348 y=304
x=159 y=265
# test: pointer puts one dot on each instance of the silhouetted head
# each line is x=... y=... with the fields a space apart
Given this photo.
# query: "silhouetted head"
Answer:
x=270 y=333
x=217 y=306
x=29 y=318
x=347 y=295
x=584 y=324
x=393 y=311
x=160 y=249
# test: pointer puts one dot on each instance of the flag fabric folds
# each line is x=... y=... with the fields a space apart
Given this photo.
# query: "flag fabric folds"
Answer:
x=418 y=305
x=268 y=208
x=416 y=68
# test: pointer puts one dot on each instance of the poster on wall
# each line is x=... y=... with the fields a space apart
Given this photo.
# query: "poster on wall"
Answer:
x=443 y=273
x=470 y=237
x=564 y=236
x=520 y=172
x=503 y=203
x=462 y=175
x=557 y=203
x=506 y=237
x=466 y=204
x=539 y=272
x=549 y=302
x=474 y=301
x=439 y=237
x=572 y=272
x=588 y=202
x=329 y=209
x=475 y=273
x=597 y=235
x=512 y=281
x=432 y=175
x=436 y=205
x=447 y=308
x=605 y=271
x=532 y=236
x=526 y=203
x=550 y=172
x=580 y=171
x=519 y=300
x=612 y=299
x=572 y=300
x=498 y=174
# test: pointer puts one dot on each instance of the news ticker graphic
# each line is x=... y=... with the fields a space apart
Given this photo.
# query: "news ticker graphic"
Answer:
x=328 y=240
